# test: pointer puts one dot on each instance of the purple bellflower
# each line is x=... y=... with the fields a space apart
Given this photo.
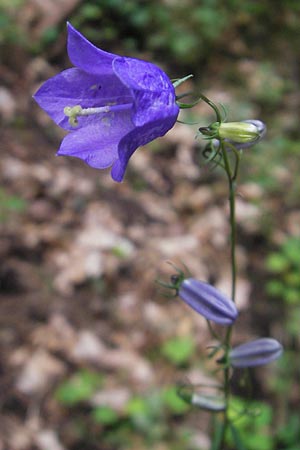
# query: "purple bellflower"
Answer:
x=110 y=104
x=208 y=301
x=255 y=353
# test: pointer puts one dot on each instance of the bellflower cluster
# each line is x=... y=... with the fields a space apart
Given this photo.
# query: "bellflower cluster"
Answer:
x=110 y=104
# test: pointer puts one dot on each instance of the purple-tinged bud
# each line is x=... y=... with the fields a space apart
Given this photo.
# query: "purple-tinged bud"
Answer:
x=213 y=402
x=243 y=134
x=255 y=353
x=207 y=402
x=208 y=301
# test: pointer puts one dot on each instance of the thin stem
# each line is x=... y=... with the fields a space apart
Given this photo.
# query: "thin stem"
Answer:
x=231 y=177
x=232 y=186
x=213 y=106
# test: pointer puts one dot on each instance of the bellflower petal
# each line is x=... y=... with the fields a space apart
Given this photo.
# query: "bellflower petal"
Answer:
x=86 y=56
x=110 y=104
x=255 y=353
x=72 y=87
x=105 y=151
x=208 y=301
x=151 y=88
x=137 y=137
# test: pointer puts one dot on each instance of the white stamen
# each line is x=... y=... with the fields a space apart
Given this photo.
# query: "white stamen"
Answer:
x=74 y=111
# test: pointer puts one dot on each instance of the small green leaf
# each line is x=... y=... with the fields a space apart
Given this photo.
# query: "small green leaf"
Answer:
x=173 y=401
x=237 y=438
x=277 y=263
x=178 y=350
x=137 y=406
x=105 y=415
x=275 y=288
x=78 y=388
x=292 y=296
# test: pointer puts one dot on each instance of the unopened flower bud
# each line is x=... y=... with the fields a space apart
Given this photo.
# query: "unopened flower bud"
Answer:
x=240 y=132
x=255 y=353
x=213 y=402
x=207 y=402
x=243 y=134
x=208 y=301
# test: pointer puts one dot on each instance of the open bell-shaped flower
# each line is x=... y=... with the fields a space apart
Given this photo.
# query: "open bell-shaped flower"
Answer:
x=110 y=104
x=255 y=353
x=208 y=301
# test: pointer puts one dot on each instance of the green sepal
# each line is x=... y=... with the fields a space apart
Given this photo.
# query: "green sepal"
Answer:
x=178 y=81
x=187 y=105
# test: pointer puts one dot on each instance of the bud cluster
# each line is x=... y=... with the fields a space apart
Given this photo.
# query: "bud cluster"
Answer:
x=215 y=307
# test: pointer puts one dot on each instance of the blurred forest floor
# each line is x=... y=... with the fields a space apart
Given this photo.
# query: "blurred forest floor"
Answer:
x=85 y=332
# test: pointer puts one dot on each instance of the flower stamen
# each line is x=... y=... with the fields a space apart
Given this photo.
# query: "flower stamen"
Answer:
x=74 y=111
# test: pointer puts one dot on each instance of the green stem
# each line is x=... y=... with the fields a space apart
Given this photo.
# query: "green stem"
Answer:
x=231 y=177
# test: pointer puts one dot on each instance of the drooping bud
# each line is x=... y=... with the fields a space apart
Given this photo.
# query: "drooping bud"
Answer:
x=208 y=301
x=255 y=353
x=207 y=402
x=213 y=401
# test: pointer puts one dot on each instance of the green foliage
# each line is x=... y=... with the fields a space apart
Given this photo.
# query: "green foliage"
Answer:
x=10 y=204
x=251 y=425
x=9 y=31
x=178 y=350
x=150 y=414
x=270 y=86
x=173 y=402
x=78 y=388
x=105 y=415
x=218 y=428
x=284 y=264
x=187 y=32
x=147 y=416
x=274 y=165
x=156 y=406
x=289 y=435
x=50 y=36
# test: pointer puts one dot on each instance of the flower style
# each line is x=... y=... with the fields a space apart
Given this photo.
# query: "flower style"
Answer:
x=255 y=353
x=208 y=301
x=110 y=104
